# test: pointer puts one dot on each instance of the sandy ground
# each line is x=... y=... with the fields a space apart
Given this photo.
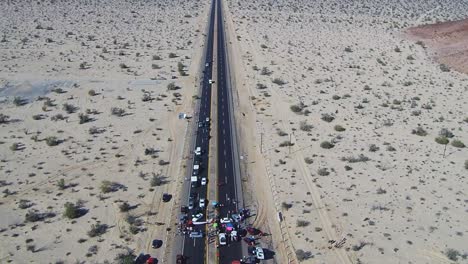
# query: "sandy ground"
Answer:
x=93 y=57
x=448 y=41
x=341 y=112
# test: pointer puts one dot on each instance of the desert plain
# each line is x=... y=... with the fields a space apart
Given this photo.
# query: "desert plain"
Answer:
x=353 y=120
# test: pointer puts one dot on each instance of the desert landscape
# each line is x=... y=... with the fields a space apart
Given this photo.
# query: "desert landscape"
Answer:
x=359 y=118
x=91 y=138
x=352 y=120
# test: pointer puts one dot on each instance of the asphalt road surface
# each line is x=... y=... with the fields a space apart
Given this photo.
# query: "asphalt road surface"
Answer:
x=194 y=249
x=227 y=182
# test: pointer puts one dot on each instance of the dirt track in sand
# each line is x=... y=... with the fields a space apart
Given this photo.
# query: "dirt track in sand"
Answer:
x=448 y=41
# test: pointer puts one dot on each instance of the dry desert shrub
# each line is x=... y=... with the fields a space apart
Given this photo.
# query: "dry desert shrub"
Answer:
x=97 y=230
x=303 y=255
x=354 y=159
x=305 y=127
x=328 y=117
x=323 y=172
x=339 y=128
x=326 y=145
x=302 y=223
x=419 y=131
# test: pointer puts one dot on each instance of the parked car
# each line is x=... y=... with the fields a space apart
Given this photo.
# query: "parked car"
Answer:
x=190 y=204
x=152 y=261
x=210 y=81
x=222 y=239
x=203 y=181
x=166 y=197
x=156 y=243
x=259 y=253
x=184 y=209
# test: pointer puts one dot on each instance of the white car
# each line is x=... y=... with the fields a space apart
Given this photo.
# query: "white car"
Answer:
x=207 y=120
x=202 y=202
x=222 y=239
x=259 y=253
x=210 y=81
x=198 y=151
x=234 y=235
x=236 y=217
x=203 y=181
x=197 y=217
x=225 y=220
x=207 y=64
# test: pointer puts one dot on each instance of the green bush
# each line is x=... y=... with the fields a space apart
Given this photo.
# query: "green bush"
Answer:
x=442 y=140
x=107 y=186
x=339 y=128
x=61 y=184
x=72 y=211
x=457 y=143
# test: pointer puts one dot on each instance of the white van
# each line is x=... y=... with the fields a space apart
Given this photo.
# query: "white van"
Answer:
x=198 y=151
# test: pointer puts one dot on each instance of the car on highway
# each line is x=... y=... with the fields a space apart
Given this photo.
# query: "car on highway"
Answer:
x=236 y=217
x=196 y=234
x=190 y=203
x=196 y=169
x=210 y=81
x=234 y=235
x=207 y=120
x=202 y=202
x=197 y=217
x=203 y=181
x=222 y=239
x=259 y=253
x=198 y=151
x=207 y=64
x=225 y=220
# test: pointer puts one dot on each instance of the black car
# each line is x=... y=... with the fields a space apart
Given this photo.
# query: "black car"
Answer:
x=166 y=197
x=156 y=243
